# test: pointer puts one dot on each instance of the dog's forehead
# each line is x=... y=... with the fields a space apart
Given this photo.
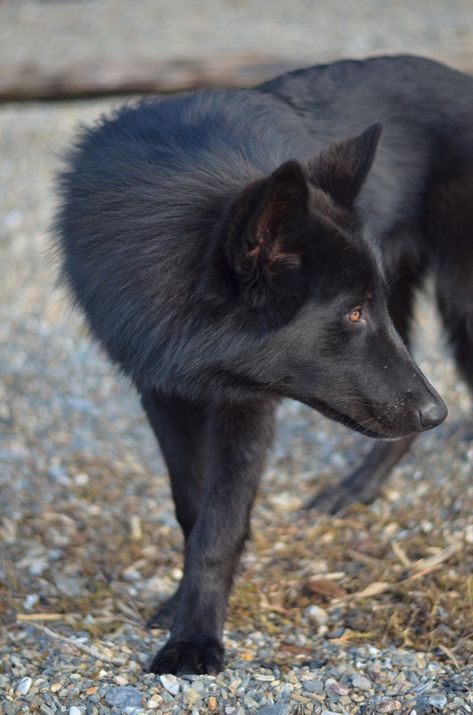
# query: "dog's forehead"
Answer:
x=364 y=254
x=352 y=265
x=343 y=221
x=364 y=260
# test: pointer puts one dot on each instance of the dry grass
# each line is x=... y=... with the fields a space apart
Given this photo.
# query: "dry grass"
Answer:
x=416 y=592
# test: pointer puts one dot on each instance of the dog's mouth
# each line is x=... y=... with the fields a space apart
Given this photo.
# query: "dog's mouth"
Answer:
x=369 y=426
x=364 y=428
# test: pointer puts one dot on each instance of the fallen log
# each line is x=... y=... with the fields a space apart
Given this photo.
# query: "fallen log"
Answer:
x=36 y=81
x=30 y=81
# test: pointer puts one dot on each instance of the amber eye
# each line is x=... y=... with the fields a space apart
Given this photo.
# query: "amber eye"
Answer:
x=355 y=315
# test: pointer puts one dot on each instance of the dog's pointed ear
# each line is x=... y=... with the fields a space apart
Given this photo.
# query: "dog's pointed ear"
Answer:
x=264 y=221
x=341 y=170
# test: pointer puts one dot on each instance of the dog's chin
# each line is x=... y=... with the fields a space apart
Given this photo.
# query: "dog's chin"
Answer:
x=354 y=424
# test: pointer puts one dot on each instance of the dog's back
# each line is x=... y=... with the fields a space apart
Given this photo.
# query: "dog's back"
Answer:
x=404 y=91
x=427 y=113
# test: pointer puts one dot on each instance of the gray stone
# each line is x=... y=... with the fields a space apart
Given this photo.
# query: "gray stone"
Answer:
x=361 y=682
x=123 y=696
x=68 y=585
x=171 y=683
x=316 y=615
x=276 y=709
x=313 y=686
x=412 y=677
x=334 y=688
x=436 y=701
x=23 y=686
x=404 y=658
x=47 y=709
x=389 y=706
x=31 y=600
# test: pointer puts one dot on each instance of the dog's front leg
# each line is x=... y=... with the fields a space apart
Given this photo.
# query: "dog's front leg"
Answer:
x=239 y=436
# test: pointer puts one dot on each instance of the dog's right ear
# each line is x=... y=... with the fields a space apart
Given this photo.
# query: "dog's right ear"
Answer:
x=342 y=168
x=263 y=228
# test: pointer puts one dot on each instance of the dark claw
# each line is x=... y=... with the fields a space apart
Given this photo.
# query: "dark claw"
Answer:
x=184 y=657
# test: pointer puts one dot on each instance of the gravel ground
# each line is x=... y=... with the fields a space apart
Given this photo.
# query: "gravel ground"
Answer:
x=367 y=613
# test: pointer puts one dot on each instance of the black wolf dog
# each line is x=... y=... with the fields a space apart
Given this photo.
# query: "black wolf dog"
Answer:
x=230 y=248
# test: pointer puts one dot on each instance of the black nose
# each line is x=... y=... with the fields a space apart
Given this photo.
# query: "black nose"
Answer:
x=432 y=414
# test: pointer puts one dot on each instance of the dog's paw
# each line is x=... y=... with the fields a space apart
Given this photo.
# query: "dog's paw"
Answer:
x=183 y=657
x=335 y=498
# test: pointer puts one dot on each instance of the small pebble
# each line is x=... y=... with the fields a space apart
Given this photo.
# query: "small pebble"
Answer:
x=30 y=601
x=171 y=683
x=192 y=697
x=123 y=697
x=362 y=683
x=317 y=615
x=81 y=479
x=23 y=686
x=332 y=687
x=313 y=686
x=437 y=701
x=276 y=709
x=389 y=706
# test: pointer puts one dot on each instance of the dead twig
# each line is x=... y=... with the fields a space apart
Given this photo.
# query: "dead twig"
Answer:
x=401 y=554
x=450 y=655
x=32 y=617
x=426 y=566
x=71 y=643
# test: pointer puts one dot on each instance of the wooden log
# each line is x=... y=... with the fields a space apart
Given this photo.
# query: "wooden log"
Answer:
x=95 y=78
x=110 y=77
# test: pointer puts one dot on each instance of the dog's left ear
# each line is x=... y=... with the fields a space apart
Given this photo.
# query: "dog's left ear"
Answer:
x=263 y=224
x=341 y=169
